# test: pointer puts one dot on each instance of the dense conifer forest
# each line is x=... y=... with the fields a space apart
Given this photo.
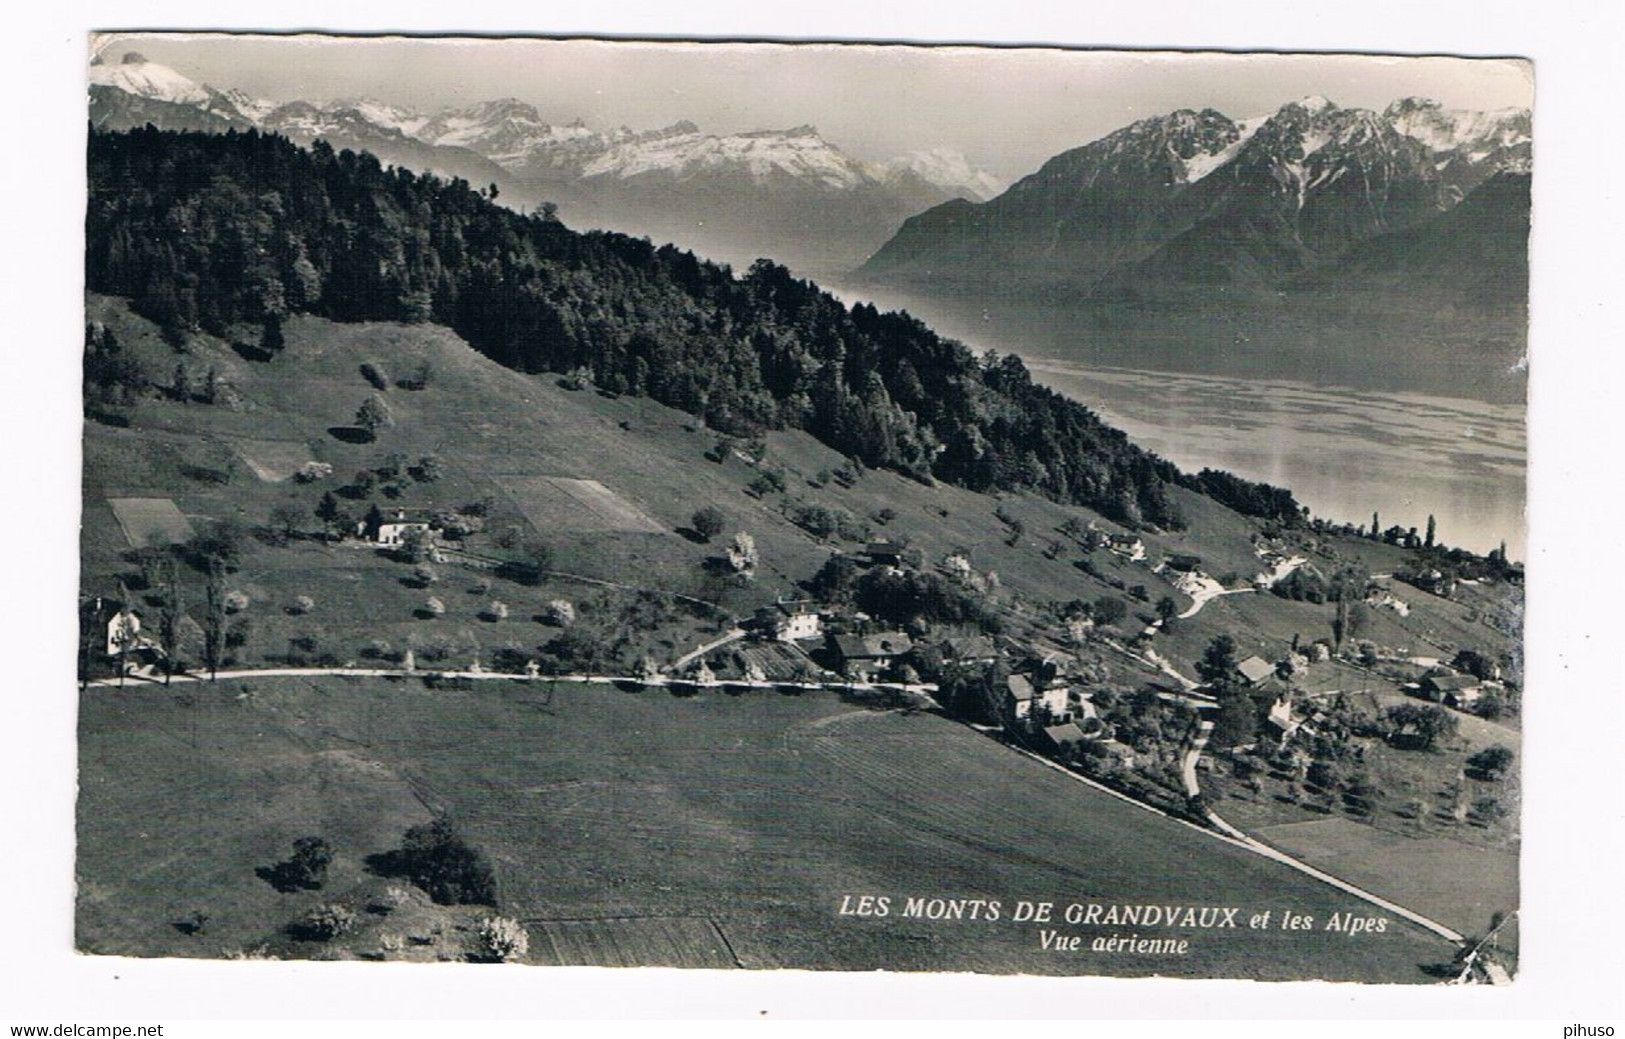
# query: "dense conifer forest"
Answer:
x=233 y=232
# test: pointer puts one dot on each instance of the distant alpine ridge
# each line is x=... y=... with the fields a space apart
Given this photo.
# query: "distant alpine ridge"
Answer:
x=726 y=195
x=1198 y=200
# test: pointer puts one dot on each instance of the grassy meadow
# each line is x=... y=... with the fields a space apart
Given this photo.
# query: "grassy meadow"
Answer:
x=646 y=828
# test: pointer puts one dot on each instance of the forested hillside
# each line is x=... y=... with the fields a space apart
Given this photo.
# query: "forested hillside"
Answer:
x=235 y=231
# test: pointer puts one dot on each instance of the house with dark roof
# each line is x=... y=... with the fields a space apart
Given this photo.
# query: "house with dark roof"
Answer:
x=864 y=656
x=975 y=649
x=883 y=553
x=1064 y=736
x=1453 y=690
x=1183 y=564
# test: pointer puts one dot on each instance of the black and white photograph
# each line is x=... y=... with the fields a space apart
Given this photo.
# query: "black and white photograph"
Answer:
x=832 y=507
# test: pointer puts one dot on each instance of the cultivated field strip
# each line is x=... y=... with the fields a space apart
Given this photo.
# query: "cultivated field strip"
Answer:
x=557 y=503
x=639 y=941
x=150 y=522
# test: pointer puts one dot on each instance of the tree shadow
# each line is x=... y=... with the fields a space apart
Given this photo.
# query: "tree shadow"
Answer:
x=350 y=434
x=390 y=864
x=251 y=352
x=693 y=536
x=281 y=876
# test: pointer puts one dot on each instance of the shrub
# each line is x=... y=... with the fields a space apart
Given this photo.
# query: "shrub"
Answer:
x=560 y=613
x=501 y=940
x=1487 y=810
x=324 y=923
x=497 y=611
x=425 y=575
x=388 y=900
x=302 y=604
x=235 y=601
x=374 y=374
x=742 y=555
x=310 y=472
x=419 y=379
x=434 y=607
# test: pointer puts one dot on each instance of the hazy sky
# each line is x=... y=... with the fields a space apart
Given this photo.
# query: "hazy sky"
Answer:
x=1007 y=110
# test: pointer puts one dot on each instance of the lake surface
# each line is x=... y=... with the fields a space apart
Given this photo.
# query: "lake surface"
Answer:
x=1349 y=427
x=1344 y=453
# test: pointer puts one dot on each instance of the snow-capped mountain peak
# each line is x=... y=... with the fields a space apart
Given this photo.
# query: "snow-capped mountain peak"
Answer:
x=947 y=169
x=136 y=75
x=797 y=154
x=1313 y=103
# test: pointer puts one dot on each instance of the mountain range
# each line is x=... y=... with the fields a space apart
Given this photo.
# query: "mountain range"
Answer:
x=1196 y=199
x=728 y=196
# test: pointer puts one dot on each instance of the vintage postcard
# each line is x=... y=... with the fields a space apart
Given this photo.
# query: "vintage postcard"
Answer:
x=828 y=507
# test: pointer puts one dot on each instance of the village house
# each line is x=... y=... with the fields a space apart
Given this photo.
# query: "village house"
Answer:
x=1452 y=690
x=1126 y=545
x=1183 y=564
x=393 y=528
x=1064 y=736
x=1022 y=696
x=864 y=656
x=1281 y=720
x=124 y=638
x=1255 y=670
x=790 y=620
x=974 y=650
x=1434 y=581
x=883 y=553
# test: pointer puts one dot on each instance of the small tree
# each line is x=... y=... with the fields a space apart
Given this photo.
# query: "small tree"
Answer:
x=301 y=605
x=433 y=607
x=497 y=611
x=1167 y=609
x=374 y=415
x=215 y=606
x=708 y=522
x=284 y=523
x=425 y=575
x=169 y=618
x=1108 y=609
x=306 y=868
x=418 y=545
x=440 y=861
x=1422 y=725
x=429 y=469
x=336 y=519
x=1492 y=762
x=1218 y=664
x=560 y=613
